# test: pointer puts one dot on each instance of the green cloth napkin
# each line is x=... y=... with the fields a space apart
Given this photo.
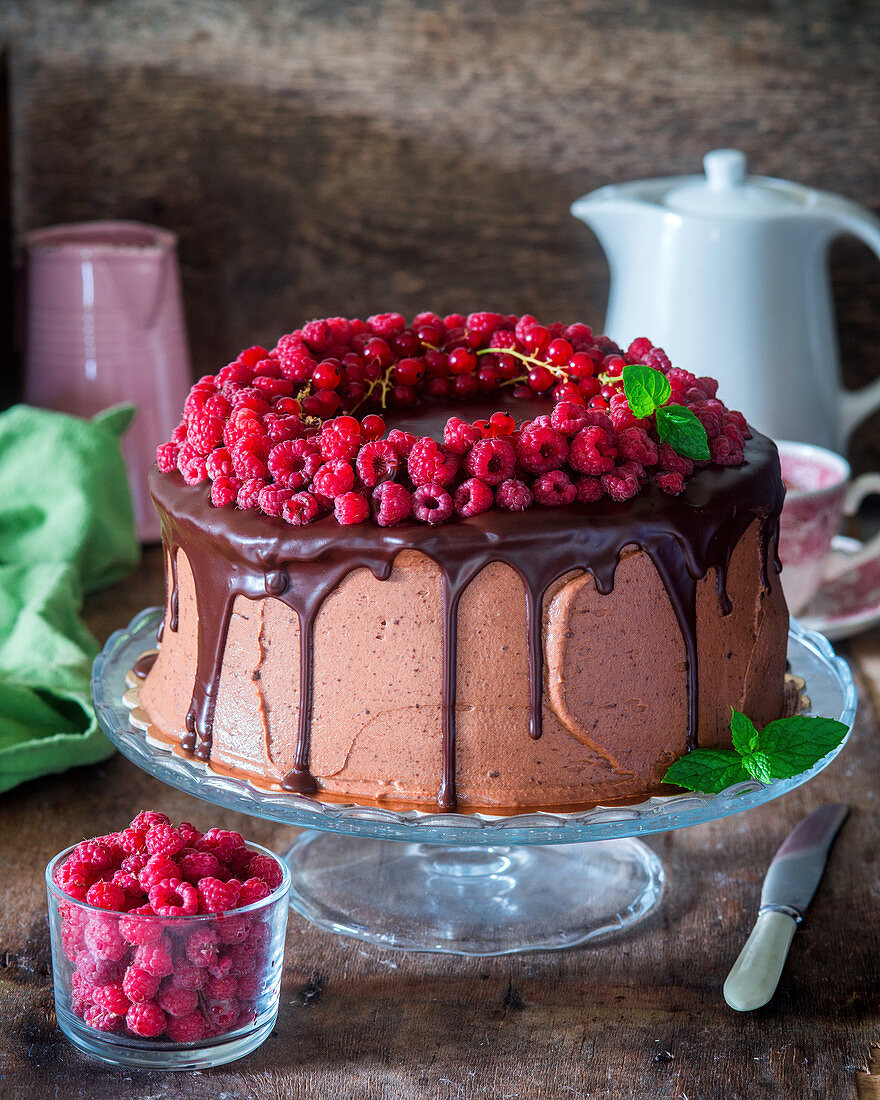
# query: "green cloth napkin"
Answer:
x=66 y=528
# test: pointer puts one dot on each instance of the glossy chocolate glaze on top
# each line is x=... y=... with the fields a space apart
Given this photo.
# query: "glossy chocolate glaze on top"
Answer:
x=234 y=553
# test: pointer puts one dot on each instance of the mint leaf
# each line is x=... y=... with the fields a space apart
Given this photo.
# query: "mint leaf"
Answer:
x=745 y=736
x=758 y=765
x=684 y=433
x=646 y=389
x=707 y=770
x=794 y=745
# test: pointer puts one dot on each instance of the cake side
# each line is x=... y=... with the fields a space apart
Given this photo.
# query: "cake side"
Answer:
x=614 y=667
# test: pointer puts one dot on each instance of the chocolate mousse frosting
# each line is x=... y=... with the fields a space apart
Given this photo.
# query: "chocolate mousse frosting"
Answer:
x=690 y=541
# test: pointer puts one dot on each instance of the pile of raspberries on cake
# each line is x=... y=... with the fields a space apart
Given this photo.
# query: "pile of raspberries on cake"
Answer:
x=296 y=432
x=133 y=972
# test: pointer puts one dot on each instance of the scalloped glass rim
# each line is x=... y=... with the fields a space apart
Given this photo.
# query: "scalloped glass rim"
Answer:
x=829 y=684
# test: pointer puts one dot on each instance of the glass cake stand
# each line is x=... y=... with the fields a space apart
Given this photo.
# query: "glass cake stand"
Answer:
x=467 y=884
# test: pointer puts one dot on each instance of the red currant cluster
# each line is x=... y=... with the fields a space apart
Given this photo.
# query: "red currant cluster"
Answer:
x=276 y=431
x=135 y=973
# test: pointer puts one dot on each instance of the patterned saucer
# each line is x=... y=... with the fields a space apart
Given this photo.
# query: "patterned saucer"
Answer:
x=850 y=603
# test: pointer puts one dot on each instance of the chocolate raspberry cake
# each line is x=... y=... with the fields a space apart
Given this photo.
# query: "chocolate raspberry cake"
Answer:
x=471 y=562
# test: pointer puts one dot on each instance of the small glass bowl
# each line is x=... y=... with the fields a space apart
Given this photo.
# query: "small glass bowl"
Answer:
x=235 y=958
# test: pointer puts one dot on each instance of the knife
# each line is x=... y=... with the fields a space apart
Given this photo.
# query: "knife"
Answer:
x=788 y=889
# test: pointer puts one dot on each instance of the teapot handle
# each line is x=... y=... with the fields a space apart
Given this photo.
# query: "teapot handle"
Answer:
x=857 y=405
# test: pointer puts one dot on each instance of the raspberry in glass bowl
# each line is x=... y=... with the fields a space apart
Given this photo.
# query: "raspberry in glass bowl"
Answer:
x=167 y=944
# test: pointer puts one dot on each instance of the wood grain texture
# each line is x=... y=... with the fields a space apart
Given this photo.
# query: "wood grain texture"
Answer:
x=639 y=1019
x=342 y=157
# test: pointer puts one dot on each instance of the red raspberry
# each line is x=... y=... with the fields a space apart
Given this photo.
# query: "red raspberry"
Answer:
x=112 y=998
x=513 y=495
x=391 y=503
x=673 y=462
x=459 y=436
x=189 y=832
x=187 y=975
x=430 y=462
x=657 y=359
x=158 y=868
x=622 y=483
x=186 y=1029
x=138 y=985
x=102 y=1020
x=137 y=928
x=222 y=1015
x=219 y=464
x=711 y=415
x=135 y=863
x=569 y=418
x=104 y=939
x=266 y=868
x=224 y=490
x=95 y=853
x=402 y=442
x=146 y=1020
x=592 y=452
x=588 y=489
x=386 y=325
x=162 y=840
x=220 y=989
x=340 y=439
x=351 y=508
x=74 y=878
x=178 y=436
x=250 y=986
x=97 y=971
x=541 y=449
x=284 y=428
x=255 y=889
x=377 y=461
x=622 y=415
x=195 y=865
x=72 y=940
x=201 y=947
x=250 y=455
x=133 y=840
x=222 y=968
x=554 y=489
x=681 y=379
x=725 y=452
x=671 y=483
x=472 y=497
x=191 y=465
x=251 y=356
x=638 y=349
x=635 y=445
x=333 y=479
x=483 y=323
x=106 y=895
x=147 y=818
x=177 y=1001
x=248 y=403
x=174 y=898
x=216 y=896
x=300 y=510
x=249 y=493
x=272 y=498
x=491 y=460
x=431 y=503
x=221 y=843
x=155 y=958
x=205 y=432
x=166 y=457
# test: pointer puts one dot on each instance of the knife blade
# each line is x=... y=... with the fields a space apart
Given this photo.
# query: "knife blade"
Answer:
x=788 y=889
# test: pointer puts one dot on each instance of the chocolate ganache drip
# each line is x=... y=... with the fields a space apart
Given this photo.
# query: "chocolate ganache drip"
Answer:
x=240 y=553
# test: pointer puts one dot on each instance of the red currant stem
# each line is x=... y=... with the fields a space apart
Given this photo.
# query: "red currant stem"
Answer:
x=558 y=372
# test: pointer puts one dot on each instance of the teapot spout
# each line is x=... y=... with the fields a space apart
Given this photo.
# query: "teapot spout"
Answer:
x=609 y=213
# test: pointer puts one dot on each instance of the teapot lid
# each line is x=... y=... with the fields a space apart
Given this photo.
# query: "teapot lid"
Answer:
x=726 y=190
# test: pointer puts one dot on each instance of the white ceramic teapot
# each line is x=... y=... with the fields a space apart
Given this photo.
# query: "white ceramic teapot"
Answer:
x=728 y=273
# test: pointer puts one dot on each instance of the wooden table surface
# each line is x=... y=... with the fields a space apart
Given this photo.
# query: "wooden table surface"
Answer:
x=641 y=1018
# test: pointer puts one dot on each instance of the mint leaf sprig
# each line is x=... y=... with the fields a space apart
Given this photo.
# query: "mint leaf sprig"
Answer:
x=781 y=750
x=647 y=391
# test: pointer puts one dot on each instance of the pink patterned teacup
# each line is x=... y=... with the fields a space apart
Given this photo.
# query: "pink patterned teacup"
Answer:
x=819 y=493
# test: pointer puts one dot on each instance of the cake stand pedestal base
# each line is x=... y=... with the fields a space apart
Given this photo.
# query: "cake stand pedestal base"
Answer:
x=473 y=900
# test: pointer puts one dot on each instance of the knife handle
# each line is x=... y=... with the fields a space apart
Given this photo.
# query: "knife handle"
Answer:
x=755 y=974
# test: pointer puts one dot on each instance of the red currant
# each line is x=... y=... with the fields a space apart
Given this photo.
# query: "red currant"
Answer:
x=540 y=379
x=536 y=338
x=408 y=371
x=462 y=361
x=326 y=375
x=465 y=385
x=559 y=352
x=378 y=351
x=372 y=427
x=581 y=365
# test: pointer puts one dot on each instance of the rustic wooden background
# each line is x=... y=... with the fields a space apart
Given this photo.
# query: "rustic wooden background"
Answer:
x=356 y=155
